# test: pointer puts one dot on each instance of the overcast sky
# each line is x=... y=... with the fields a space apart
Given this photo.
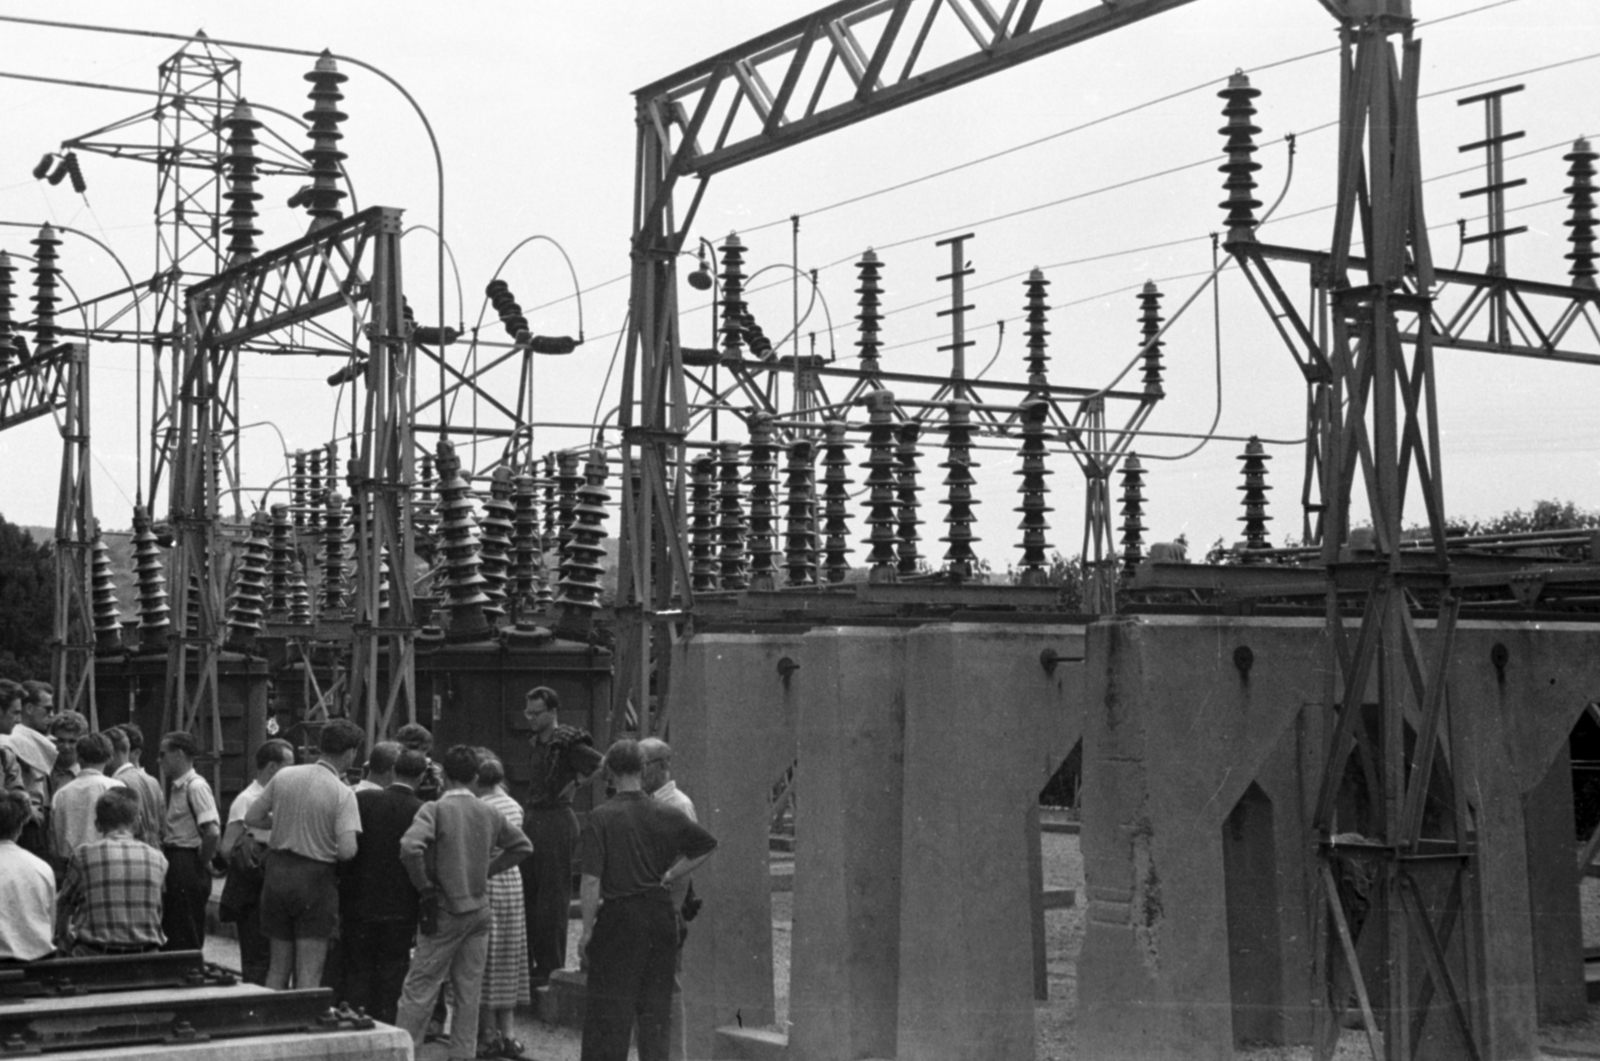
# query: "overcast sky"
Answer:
x=532 y=106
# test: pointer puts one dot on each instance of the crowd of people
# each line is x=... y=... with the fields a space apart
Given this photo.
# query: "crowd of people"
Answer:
x=423 y=881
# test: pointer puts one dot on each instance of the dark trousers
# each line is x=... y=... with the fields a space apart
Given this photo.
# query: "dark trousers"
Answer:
x=547 y=888
x=376 y=957
x=184 y=898
x=255 y=950
x=632 y=957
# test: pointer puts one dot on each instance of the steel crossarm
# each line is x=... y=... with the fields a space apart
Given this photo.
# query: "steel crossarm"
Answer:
x=852 y=60
x=34 y=387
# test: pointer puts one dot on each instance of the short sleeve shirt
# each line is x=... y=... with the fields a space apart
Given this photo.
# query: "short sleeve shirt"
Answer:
x=310 y=807
x=190 y=806
x=241 y=805
x=630 y=842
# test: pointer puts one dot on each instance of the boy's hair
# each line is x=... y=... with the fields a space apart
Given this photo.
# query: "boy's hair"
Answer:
x=624 y=758
x=135 y=736
x=276 y=750
x=183 y=742
x=415 y=735
x=94 y=749
x=461 y=764
x=339 y=736
x=491 y=772
x=411 y=764
x=117 y=808
x=15 y=812
x=383 y=756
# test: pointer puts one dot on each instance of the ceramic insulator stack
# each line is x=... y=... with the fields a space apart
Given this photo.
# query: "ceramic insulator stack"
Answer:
x=155 y=617
x=494 y=547
x=800 y=515
x=1582 y=222
x=241 y=126
x=1241 y=166
x=870 y=289
x=248 y=602
x=1132 y=514
x=458 y=541
x=906 y=490
x=324 y=154
x=1034 y=567
x=882 y=518
x=583 y=559
x=836 y=501
x=103 y=594
x=1255 y=518
x=732 y=561
x=763 y=483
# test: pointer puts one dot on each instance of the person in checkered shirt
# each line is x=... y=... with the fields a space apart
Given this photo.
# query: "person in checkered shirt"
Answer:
x=112 y=895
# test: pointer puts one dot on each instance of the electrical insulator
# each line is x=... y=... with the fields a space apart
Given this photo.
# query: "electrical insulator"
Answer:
x=583 y=558
x=763 y=503
x=958 y=481
x=248 y=602
x=154 y=615
x=299 y=596
x=1582 y=223
x=506 y=308
x=383 y=587
x=568 y=479
x=314 y=493
x=103 y=592
x=800 y=515
x=69 y=162
x=525 y=496
x=733 y=305
x=880 y=503
x=732 y=564
x=58 y=174
x=282 y=561
x=1034 y=568
x=756 y=339
x=494 y=546
x=905 y=492
x=550 y=540
x=335 y=587
x=324 y=154
x=458 y=541
x=41 y=170
x=298 y=493
x=703 y=523
x=1241 y=203
x=868 y=271
x=424 y=517
x=1132 y=514
x=1038 y=309
x=240 y=161
x=1255 y=489
x=1150 y=327
x=835 y=501
x=45 y=271
x=8 y=338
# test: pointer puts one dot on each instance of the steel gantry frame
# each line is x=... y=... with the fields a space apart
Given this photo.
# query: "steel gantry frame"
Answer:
x=688 y=125
x=1367 y=355
x=351 y=264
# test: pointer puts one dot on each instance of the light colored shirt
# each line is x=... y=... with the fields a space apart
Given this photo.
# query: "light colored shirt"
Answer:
x=366 y=786
x=27 y=904
x=242 y=804
x=190 y=806
x=307 y=808
x=670 y=794
x=37 y=755
x=152 y=804
x=72 y=809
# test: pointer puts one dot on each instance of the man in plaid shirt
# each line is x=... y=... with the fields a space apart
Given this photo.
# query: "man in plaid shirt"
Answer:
x=112 y=893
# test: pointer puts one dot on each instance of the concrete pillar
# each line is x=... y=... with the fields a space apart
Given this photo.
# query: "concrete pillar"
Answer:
x=1556 y=914
x=732 y=735
x=986 y=725
x=844 y=973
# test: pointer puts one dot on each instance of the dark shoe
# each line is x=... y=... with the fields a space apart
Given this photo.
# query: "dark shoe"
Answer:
x=490 y=1048
x=510 y=1048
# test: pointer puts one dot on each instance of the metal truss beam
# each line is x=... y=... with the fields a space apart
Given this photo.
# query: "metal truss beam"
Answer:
x=353 y=264
x=869 y=52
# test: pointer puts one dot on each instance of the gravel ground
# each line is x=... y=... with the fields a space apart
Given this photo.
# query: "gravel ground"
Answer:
x=1055 y=1019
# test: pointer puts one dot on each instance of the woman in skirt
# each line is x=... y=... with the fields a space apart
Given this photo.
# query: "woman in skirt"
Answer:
x=505 y=975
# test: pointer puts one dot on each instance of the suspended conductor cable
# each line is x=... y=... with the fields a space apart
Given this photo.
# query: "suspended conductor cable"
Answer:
x=595 y=417
x=1216 y=346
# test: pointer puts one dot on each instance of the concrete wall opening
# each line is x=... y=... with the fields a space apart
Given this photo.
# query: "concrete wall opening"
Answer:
x=1250 y=878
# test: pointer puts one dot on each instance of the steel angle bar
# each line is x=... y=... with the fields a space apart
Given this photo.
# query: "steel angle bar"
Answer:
x=844 y=24
x=1347 y=947
x=1435 y=961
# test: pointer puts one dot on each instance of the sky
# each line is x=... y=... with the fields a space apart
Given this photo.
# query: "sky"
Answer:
x=1099 y=169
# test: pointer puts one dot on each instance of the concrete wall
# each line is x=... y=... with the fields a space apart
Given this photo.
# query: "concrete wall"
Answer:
x=1174 y=734
x=920 y=750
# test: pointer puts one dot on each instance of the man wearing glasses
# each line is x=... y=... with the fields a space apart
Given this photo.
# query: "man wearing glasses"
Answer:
x=561 y=758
